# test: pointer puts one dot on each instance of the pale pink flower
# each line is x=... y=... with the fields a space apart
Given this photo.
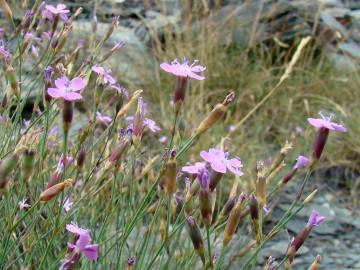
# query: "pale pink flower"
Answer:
x=105 y=74
x=4 y=53
x=325 y=122
x=83 y=242
x=149 y=123
x=59 y=10
x=183 y=69
x=163 y=139
x=23 y=205
x=315 y=219
x=67 y=205
x=219 y=161
x=66 y=89
x=195 y=168
x=35 y=51
x=301 y=162
x=104 y=119
x=60 y=165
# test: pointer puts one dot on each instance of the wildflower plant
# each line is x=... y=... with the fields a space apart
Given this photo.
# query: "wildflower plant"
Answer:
x=146 y=206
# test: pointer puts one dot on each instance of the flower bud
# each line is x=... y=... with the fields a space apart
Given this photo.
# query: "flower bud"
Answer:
x=94 y=23
x=127 y=106
x=195 y=235
x=27 y=163
x=319 y=143
x=315 y=264
x=310 y=197
x=67 y=115
x=180 y=91
x=119 y=150
x=287 y=177
x=233 y=220
x=214 y=115
x=13 y=81
x=138 y=124
x=261 y=185
x=7 y=165
x=170 y=173
x=254 y=213
x=215 y=178
x=130 y=262
x=81 y=158
x=53 y=191
x=281 y=156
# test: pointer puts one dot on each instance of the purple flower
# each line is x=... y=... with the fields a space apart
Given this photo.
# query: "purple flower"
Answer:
x=67 y=205
x=4 y=53
x=35 y=51
x=163 y=139
x=301 y=162
x=219 y=161
x=104 y=119
x=183 y=69
x=23 y=205
x=325 y=122
x=32 y=37
x=315 y=219
x=131 y=261
x=82 y=243
x=149 y=123
x=60 y=165
x=204 y=179
x=60 y=10
x=67 y=89
x=105 y=74
x=120 y=90
x=195 y=168
x=47 y=73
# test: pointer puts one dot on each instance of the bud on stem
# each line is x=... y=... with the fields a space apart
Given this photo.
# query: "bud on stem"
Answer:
x=67 y=115
x=205 y=202
x=195 y=235
x=55 y=190
x=233 y=220
x=214 y=115
x=170 y=173
x=319 y=143
x=254 y=213
x=27 y=164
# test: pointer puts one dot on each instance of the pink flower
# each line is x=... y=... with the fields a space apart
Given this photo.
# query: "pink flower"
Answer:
x=67 y=205
x=4 y=53
x=104 y=119
x=149 y=123
x=60 y=10
x=67 y=89
x=301 y=162
x=195 y=168
x=120 y=90
x=163 y=139
x=315 y=219
x=35 y=51
x=183 y=69
x=82 y=244
x=325 y=122
x=219 y=161
x=60 y=165
x=105 y=74
x=204 y=179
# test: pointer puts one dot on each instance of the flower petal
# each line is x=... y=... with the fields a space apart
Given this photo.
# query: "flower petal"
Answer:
x=319 y=123
x=90 y=251
x=218 y=167
x=338 y=127
x=77 y=84
x=55 y=92
x=198 y=68
x=72 y=96
x=195 y=76
x=62 y=82
x=83 y=241
x=209 y=157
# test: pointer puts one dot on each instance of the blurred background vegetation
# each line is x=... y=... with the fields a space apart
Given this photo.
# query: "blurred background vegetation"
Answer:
x=245 y=46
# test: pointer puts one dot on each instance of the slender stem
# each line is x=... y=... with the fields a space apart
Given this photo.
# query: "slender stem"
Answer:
x=209 y=247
